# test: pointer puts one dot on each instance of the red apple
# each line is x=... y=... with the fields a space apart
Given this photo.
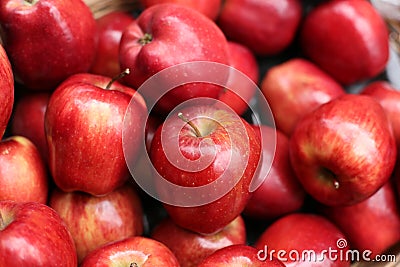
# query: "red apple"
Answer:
x=302 y=240
x=132 y=251
x=373 y=224
x=348 y=39
x=33 y=234
x=388 y=96
x=238 y=255
x=95 y=221
x=109 y=31
x=266 y=27
x=23 y=174
x=242 y=59
x=191 y=248
x=28 y=119
x=167 y=35
x=47 y=40
x=294 y=88
x=210 y=8
x=280 y=192
x=209 y=155
x=84 y=122
x=343 y=151
x=6 y=91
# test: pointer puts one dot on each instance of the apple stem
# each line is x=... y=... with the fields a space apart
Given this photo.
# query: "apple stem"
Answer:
x=191 y=124
x=336 y=184
x=118 y=77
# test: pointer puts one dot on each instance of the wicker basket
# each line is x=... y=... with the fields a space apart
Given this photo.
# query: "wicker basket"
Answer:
x=394 y=27
x=390 y=10
x=102 y=7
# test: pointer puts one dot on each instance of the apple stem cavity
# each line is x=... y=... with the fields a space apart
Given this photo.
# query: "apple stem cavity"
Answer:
x=147 y=38
x=118 y=77
x=328 y=175
x=191 y=124
x=133 y=264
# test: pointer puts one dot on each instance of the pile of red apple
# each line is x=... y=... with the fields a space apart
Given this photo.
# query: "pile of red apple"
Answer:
x=80 y=124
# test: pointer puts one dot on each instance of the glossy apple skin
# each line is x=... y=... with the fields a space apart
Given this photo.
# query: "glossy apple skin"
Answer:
x=373 y=224
x=266 y=27
x=94 y=221
x=6 y=92
x=143 y=251
x=84 y=125
x=47 y=41
x=242 y=59
x=357 y=46
x=34 y=235
x=23 y=173
x=389 y=98
x=187 y=35
x=229 y=151
x=28 y=119
x=109 y=32
x=302 y=231
x=191 y=248
x=280 y=192
x=296 y=87
x=348 y=140
x=234 y=255
x=210 y=8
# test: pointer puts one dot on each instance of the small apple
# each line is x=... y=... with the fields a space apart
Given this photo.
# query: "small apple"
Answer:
x=343 y=151
x=373 y=224
x=238 y=255
x=265 y=27
x=167 y=35
x=294 y=88
x=84 y=122
x=209 y=155
x=302 y=240
x=279 y=181
x=109 y=31
x=191 y=248
x=94 y=221
x=347 y=39
x=210 y=8
x=242 y=59
x=28 y=119
x=33 y=234
x=132 y=252
x=6 y=91
x=388 y=96
x=23 y=173
x=47 y=40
